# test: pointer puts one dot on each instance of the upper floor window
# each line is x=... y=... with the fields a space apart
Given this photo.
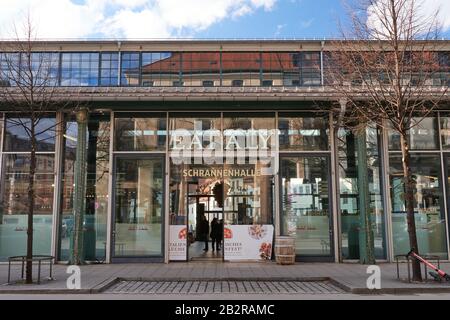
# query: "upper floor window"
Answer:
x=9 y=69
x=158 y=68
x=208 y=83
x=79 y=69
x=237 y=83
x=130 y=69
x=109 y=69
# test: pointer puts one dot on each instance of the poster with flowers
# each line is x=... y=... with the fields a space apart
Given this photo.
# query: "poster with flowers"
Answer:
x=248 y=242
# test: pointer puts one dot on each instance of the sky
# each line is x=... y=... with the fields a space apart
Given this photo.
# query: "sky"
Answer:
x=209 y=19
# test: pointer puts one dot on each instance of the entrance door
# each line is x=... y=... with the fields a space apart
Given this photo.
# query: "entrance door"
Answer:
x=306 y=205
x=205 y=210
x=138 y=208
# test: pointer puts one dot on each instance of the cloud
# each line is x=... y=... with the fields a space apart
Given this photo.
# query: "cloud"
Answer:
x=307 y=23
x=123 y=18
x=425 y=10
x=280 y=27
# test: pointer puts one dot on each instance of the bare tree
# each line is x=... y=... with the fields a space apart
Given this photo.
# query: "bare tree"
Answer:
x=387 y=70
x=28 y=88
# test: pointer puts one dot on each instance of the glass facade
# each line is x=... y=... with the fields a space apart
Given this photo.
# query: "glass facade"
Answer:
x=188 y=69
x=204 y=164
x=139 y=206
x=79 y=69
x=109 y=69
x=303 y=132
x=141 y=133
x=306 y=211
x=351 y=224
x=96 y=215
x=14 y=187
x=428 y=205
x=423 y=136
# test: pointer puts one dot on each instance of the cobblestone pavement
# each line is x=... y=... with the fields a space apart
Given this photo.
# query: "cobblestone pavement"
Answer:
x=224 y=287
x=97 y=278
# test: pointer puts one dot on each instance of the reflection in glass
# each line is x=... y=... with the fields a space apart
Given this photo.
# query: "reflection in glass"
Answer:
x=201 y=69
x=130 y=69
x=17 y=138
x=428 y=208
x=109 y=69
x=291 y=68
x=445 y=131
x=44 y=69
x=349 y=196
x=184 y=128
x=147 y=132
x=160 y=69
x=242 y=129
x=303 y=133
x=305 y=204
x=424 y=136
x=241 y=67
x=249 y=198
x=139 y=207
x=14 y=205
x=9 y=69
x=96 y=190
x=79 y=69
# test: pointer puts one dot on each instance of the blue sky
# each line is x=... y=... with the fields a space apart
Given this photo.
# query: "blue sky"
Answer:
x=149 y=19
x=287 y=19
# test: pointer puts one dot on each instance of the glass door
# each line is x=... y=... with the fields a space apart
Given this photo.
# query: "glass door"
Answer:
x=138 y=207
x=306 y=205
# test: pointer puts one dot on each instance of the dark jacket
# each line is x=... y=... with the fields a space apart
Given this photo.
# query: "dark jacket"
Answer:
x=216 y=230
x=203 y=228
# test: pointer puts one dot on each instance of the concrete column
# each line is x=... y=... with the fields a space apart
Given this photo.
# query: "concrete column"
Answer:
x=79 y=203
x=366 y=241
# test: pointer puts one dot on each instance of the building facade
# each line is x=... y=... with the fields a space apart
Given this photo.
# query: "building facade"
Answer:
x=233 y=130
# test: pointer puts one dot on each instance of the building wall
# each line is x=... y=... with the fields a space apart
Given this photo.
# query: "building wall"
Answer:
x=306 y=159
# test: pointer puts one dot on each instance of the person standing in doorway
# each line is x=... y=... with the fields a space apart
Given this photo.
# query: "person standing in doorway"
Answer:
x=204 y=231
x=215 y=234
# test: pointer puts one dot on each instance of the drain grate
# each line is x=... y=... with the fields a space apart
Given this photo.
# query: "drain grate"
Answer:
x=216 y=287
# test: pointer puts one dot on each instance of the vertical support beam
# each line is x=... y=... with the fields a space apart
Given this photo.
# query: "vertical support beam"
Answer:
x=2 y=138
x=119 y=66
x=445 y=184
x=109 y=220
x=59 y=158
x=167 y=194
x=335 y=191
x=221 y=67
x=277 y=181
x=79 y=205
x=322 y=77
x=366 y=242
x=387 y=195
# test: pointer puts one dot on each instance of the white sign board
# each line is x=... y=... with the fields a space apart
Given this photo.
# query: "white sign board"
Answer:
x=248 y=242
x=177 y=243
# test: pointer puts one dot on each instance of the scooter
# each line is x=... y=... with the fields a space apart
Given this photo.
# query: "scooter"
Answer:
x=439 y=275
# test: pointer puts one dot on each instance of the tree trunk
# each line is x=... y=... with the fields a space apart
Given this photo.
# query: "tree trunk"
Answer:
x=409 y=201
x=31 y=200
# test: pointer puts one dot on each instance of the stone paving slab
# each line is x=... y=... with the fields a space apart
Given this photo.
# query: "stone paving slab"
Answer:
x=350 y=277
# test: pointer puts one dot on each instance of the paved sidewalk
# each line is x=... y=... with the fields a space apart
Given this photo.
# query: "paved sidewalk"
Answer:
x=351 y=278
